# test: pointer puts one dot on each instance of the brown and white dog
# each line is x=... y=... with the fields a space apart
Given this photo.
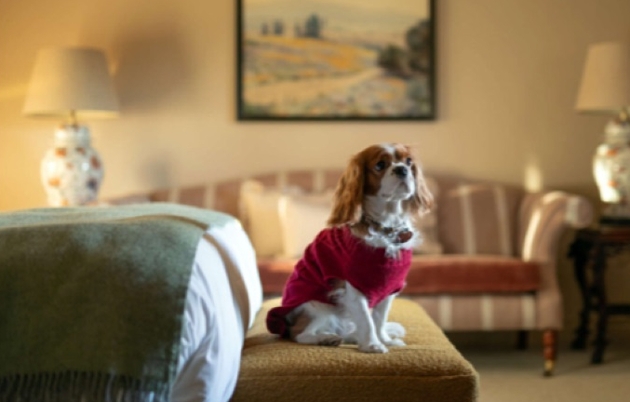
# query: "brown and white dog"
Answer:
x=343 y=287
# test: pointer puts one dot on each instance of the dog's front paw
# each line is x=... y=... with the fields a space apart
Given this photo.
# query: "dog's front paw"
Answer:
x=373 y=348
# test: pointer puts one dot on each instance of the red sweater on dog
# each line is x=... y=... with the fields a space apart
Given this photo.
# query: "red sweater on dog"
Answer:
x=337 y=254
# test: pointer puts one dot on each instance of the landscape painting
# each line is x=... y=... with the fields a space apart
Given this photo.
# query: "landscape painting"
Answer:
x=335 y=59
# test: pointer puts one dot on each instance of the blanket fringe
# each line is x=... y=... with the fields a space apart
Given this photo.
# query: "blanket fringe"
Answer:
x=74 y=386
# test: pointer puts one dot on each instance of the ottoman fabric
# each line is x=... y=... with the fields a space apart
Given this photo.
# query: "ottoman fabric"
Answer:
x=429 y=368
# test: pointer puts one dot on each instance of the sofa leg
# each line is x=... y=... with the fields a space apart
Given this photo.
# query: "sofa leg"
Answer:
x=550 y=343
x=522 y=340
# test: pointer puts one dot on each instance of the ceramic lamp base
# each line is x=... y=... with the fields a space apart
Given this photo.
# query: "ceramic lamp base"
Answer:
x=611 y=168
x=72 y=170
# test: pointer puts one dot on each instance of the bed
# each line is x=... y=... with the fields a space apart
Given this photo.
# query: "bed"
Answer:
x=215 y=324
x=222 y=295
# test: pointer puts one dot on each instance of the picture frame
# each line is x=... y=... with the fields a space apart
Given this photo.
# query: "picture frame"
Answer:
x=335 y=60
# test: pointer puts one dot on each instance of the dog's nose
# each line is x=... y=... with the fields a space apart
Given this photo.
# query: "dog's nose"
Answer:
x=401 y=171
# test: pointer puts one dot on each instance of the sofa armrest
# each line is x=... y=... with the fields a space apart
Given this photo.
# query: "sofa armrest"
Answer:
x=543 y=219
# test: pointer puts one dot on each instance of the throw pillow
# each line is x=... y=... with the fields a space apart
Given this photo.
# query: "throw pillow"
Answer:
x=302 y=217
x=479 y=217
x=259 y=213
x=427 y=224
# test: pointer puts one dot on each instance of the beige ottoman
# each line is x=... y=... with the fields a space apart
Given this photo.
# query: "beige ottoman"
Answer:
x=429 y=368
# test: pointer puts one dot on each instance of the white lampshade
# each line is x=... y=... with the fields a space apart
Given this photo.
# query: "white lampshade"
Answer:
x=71 y=80
x=605 y=86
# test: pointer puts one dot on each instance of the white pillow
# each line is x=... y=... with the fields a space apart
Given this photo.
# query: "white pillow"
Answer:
x=260 y=215
x=302 y=217
x=427 y=224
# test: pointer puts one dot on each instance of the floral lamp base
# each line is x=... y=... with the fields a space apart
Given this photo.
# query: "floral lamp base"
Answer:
x=72 y=170
x=611 y=168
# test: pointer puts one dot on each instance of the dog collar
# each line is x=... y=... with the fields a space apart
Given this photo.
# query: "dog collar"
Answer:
x=398 y=234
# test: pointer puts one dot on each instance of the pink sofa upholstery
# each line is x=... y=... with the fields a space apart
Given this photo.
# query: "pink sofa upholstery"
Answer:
x=500 y=245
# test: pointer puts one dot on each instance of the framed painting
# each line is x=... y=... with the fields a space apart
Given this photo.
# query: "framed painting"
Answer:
x=336 y=59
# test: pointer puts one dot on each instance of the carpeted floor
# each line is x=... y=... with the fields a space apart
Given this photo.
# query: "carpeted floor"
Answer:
x=510 y=375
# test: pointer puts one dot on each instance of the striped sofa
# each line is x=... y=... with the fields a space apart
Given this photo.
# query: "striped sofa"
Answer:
x=500 y=245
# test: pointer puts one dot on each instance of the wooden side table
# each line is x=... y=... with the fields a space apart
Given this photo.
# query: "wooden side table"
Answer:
x=590 y=252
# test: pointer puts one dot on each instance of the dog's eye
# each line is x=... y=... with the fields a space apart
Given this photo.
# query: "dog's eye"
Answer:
x=379 y=166
x=408 y=161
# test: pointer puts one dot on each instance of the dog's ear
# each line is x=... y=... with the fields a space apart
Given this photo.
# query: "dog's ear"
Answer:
x=349 y=193
x=422 y=200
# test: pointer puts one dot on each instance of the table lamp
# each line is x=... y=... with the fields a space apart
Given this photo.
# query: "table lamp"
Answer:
x=605 y=88
x=71 y=84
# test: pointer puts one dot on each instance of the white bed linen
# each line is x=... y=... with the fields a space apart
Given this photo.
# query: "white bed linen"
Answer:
x=220 y=307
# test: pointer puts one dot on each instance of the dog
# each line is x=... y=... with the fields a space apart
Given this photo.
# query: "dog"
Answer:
x=342 y=288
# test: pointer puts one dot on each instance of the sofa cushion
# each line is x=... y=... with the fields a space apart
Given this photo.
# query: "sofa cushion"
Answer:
x=274 y=273
x=477 y=217
x=471 y=274
x=429 y=368
x=433 y=274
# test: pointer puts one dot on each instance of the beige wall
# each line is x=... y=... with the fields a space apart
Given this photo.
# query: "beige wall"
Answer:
x=508 y=73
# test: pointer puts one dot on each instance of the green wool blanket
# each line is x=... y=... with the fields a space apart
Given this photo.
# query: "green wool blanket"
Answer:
x=92 y=300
